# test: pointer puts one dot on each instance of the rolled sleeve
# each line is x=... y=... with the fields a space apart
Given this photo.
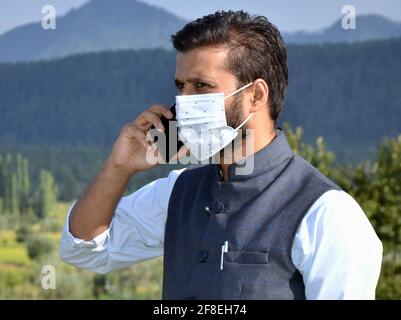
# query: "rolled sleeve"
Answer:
x=91 y=255
x=135 y=234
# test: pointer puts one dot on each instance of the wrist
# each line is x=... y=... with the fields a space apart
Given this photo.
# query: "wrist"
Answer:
x=117 y=169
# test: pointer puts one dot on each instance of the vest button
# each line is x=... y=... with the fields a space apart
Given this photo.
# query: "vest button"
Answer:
x=204 y=256
x=218 y=207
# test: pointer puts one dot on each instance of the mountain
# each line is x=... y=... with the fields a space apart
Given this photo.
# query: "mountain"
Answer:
x=101 y=25
x=349 y=93
x=368 y=27
x=96 y=26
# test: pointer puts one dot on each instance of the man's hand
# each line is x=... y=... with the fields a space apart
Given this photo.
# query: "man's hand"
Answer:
x=129 y=150
x=94 y=211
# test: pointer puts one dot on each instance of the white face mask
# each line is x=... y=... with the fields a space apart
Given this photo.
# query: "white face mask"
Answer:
x=202 y=124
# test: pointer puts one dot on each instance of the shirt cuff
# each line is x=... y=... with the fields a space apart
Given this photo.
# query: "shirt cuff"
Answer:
x=97 y=242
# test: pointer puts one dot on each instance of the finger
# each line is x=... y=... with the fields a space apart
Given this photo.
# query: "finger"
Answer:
x=132 y=131
x=151 y=137
x=154 y=153
x=161 y=110
x=154 y=148
x=182 y=152
x=149 y=117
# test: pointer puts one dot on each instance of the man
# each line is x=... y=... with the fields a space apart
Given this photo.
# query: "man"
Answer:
x=284 y=231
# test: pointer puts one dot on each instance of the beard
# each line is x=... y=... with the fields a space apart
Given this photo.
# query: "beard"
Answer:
x=234 y=113
x=235 y=116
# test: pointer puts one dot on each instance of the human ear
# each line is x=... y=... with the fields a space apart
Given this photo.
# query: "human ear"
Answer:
x=259 y=95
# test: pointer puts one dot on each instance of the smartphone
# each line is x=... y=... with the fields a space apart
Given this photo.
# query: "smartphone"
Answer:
x=162 y=139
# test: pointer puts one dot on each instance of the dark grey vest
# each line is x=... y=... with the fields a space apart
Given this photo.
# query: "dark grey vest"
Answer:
x=258 y=214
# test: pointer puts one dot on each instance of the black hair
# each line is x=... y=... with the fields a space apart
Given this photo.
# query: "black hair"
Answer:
x=256 y=49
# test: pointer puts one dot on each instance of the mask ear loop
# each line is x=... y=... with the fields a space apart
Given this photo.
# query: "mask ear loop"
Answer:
x=247 y=118
x=235 y=92
x=240 y=89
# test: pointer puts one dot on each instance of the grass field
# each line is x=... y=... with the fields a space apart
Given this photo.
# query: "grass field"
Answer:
x=17 y=269
x=14 y=254
x=20 y=276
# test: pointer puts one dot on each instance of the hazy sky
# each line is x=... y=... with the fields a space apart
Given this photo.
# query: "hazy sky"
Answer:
x=288 y=15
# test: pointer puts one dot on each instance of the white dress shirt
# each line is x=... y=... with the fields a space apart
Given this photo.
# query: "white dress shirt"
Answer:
x=335 y=248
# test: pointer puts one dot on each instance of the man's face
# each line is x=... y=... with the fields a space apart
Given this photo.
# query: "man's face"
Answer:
x=201 y=71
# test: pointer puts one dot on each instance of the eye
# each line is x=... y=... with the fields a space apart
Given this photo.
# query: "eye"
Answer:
x=180 y=86
x=201 y=85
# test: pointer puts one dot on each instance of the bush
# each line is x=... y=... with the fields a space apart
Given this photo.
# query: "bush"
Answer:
x=38 y=246
x=140 y=281
x=390 y=282
x=23 y=233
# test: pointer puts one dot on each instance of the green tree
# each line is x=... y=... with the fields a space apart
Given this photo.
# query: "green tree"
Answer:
x=8 y=185
x=23 y=183
x=317 y=154
x=376 y=186
x=7 y=178
x=14 y=195
x=14 y=183
x=47 y=193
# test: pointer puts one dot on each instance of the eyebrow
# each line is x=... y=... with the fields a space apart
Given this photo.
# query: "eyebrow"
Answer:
x=194 y=79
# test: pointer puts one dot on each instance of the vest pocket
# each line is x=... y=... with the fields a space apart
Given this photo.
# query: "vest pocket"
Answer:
x=248 y=272
x=246 y=257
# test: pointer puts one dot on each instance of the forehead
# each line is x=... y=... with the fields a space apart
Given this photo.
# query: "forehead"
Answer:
x=202 y=62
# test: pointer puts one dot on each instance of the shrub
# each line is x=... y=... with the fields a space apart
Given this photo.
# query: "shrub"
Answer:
x=38 y=246
x=23 y=233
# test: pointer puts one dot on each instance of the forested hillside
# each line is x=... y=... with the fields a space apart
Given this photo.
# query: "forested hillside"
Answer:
x=348 y=93
x=367 y=27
